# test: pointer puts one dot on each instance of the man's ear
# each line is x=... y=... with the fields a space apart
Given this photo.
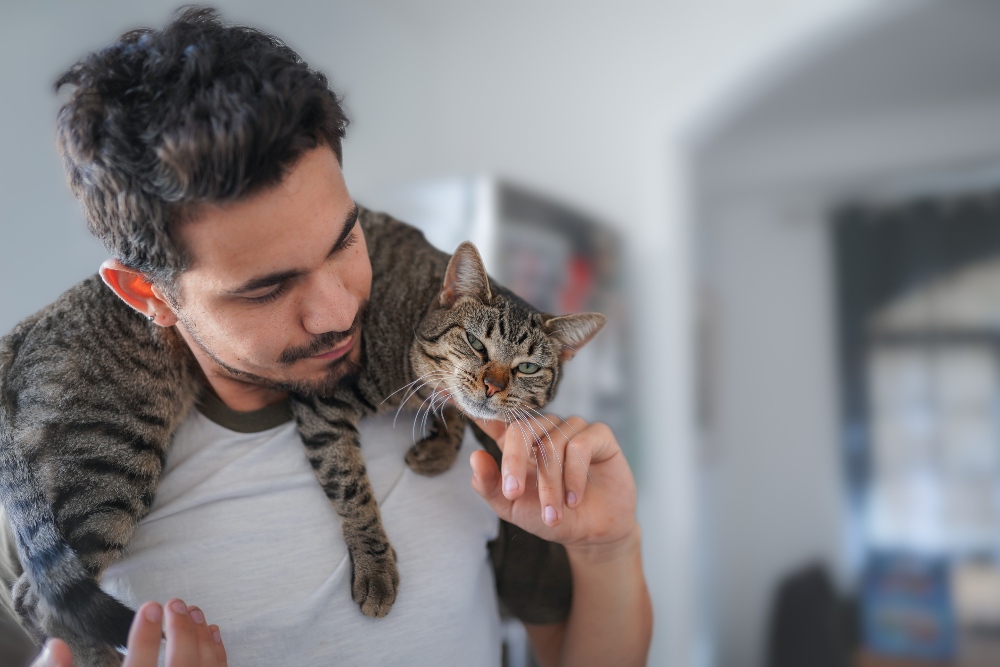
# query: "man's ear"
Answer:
x=135 y=289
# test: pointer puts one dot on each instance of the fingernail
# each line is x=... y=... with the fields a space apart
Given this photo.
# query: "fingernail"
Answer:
x=179 y=607
x=550 y=514
x=196 y=615
x=570 y=498
x=216 y=637
x=509 y=484
x=153 y=613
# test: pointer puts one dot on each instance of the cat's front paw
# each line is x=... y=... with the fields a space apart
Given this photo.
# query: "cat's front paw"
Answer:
x=375 y=582
x=433 y=455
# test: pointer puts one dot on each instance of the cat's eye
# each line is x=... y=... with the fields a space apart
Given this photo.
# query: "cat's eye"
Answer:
x=527 y=368
x=476 y=344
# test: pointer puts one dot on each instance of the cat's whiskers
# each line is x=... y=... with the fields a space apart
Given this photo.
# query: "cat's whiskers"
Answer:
x=508 y=420
x=435 y=398
x=569 y=441
x=555 y=452
x=524 y=434
x=526 y=417
x=406 y=398
x=542 y=415
x=423 y=425
x=440 y=409
x=433 y=375
x=423 y=422
x=410 y=384
x=534 y=436
x=416 y=385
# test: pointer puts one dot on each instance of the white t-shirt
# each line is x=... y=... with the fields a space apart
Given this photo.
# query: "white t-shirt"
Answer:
x=240 y=527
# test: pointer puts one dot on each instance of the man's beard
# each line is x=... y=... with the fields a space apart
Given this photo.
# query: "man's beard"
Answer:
x=340 y=371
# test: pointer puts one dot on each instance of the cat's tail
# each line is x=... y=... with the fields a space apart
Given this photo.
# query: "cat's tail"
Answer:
x=67 y=590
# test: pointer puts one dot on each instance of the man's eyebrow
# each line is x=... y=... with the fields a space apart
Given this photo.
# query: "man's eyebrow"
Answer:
x=281 y=276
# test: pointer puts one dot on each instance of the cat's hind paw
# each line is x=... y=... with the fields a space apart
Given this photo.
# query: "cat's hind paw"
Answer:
x=375 y=582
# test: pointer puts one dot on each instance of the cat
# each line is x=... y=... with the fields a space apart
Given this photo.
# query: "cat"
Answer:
x=91 y=393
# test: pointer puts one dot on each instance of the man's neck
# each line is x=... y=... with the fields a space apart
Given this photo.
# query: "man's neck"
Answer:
x=236 y=394
x=240 y=396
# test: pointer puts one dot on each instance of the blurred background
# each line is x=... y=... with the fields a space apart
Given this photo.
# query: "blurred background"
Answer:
x=790 y=210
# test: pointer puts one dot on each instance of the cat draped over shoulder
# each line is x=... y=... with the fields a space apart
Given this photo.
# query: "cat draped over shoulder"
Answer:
x=91 y=394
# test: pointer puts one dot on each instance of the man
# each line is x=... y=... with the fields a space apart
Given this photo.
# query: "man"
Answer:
x=208 y=160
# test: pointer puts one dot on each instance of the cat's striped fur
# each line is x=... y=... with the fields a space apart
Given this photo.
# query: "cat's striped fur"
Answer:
x=91 y=393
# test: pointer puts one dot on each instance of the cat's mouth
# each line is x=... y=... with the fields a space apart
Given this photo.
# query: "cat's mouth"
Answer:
x=474 y=409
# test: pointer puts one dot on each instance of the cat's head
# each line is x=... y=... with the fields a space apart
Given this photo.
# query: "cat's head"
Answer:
x=496 y=356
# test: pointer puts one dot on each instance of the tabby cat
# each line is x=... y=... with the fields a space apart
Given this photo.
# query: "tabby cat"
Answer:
x=91 y=393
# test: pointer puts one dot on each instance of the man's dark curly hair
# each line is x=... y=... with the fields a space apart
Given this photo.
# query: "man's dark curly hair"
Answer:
x=197 y=112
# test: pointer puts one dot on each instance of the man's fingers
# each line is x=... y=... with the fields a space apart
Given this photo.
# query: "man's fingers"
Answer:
x=55 y=654
x=220 y=649
x=559 y=452
x=550 y=436
x=493 y=428
x=486 y=482
x=203 y=637
x=182 y=647
x=144 y=636
x=576 y=473
x=518 y=456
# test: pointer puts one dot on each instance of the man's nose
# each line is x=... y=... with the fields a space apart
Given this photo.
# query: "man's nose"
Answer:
x=329 y=306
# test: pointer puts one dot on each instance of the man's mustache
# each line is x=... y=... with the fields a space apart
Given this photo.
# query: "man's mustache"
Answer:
x=325 y=341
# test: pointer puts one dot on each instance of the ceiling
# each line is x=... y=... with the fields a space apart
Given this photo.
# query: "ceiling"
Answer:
x=918 y=55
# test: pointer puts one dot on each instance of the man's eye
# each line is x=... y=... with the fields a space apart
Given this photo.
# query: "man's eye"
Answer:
x=351 y=239
x=476 y=344
x=270 y=296
x=527 y=368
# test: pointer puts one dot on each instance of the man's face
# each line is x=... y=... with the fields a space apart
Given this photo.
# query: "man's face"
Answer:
x=278 y=282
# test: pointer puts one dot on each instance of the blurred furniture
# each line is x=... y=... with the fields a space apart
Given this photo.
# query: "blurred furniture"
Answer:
x=810 y=624
x=864 y=659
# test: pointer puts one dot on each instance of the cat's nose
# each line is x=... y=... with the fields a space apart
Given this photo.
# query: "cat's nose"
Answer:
x=494 y=381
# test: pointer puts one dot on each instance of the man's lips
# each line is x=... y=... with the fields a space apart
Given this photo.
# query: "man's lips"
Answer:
x=338 y=351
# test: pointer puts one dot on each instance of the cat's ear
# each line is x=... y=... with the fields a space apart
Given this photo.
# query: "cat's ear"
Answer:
x=571 y=332
x=465 y=277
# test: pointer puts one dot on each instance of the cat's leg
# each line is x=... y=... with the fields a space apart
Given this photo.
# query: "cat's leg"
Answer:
x=438 y=451
x=329 y=432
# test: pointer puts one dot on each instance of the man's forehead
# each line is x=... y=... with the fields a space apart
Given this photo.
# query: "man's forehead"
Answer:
x=287 y=227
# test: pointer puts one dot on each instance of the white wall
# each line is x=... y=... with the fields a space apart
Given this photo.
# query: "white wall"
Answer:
x=771 y=460
x=587 y=101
